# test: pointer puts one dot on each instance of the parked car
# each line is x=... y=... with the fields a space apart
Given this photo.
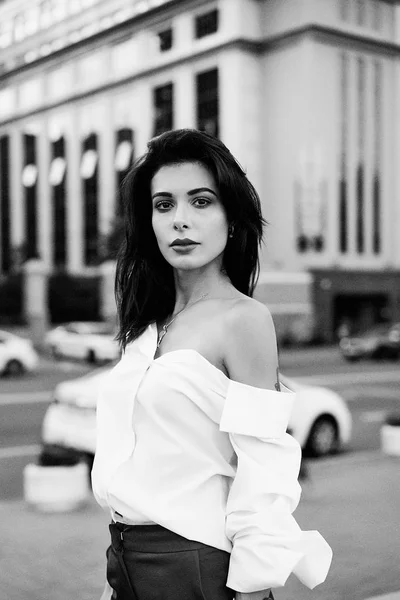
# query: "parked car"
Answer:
x=17 y=354
x=381 y=341
x=88 y=340
x=320 y=421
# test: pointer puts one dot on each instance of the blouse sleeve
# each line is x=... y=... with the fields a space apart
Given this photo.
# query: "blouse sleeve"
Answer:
x=268 y=544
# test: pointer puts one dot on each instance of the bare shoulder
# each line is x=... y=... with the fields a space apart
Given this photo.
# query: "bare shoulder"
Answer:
x=249 y=315
x=250 y=349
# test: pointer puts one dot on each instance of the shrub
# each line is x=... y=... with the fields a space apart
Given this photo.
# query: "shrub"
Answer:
x=393 y=419
x=73 y=298
x=11 y=303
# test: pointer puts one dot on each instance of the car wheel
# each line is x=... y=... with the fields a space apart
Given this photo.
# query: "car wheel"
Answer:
x=379 y=354
x=392 y=353
x=324 y=437
x=91 y=357
x=352 y=358
x=14 y=368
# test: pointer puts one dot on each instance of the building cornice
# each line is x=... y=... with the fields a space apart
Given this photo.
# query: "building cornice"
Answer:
x=113 y=32
x=242 y=44
x=317 y=32
x=321 y=33
x=331 y=35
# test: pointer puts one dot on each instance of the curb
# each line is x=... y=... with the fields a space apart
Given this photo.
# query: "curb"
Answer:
x=392 y=596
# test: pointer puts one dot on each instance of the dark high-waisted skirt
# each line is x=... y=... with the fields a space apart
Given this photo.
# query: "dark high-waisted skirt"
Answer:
x=149 y=562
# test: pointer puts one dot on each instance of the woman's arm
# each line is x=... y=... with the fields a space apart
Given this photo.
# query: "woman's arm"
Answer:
x=250 y=350
x=267 y=542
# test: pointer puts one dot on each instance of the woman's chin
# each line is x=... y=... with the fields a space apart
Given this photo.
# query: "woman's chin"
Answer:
x=186 y=264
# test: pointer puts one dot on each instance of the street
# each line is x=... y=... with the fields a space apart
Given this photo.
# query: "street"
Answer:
x=371 y=389
x=23 y=403
x=352 y=498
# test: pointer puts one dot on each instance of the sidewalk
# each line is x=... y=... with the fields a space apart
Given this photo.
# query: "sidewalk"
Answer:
x=352 y=500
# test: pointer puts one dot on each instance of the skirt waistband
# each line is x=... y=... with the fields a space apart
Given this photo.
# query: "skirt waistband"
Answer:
x=150 y=538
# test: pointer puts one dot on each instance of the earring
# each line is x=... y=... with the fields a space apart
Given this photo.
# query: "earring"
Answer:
x=231 y=230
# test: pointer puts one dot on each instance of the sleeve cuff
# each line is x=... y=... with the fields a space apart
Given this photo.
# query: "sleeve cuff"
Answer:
x=254 y=565
x=255 y=411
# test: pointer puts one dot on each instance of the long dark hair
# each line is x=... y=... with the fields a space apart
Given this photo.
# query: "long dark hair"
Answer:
x=144 y=283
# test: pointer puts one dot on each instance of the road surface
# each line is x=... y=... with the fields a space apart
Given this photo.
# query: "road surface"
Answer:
x=372 y=390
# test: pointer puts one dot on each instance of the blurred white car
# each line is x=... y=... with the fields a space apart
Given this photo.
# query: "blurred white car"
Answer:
x=17 y=354
x=88 y=340
x=320 y=421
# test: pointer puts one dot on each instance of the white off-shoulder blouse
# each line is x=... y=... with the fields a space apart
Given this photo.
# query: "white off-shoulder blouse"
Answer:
x=182 y=445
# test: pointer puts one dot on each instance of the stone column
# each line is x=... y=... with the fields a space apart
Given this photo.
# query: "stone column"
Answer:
x=35 y=303
x=108 y=308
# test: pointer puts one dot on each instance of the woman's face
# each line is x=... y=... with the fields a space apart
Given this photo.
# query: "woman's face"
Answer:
x=187 y=209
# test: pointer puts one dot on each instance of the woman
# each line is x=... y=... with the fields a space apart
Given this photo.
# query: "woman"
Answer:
x=193 y=460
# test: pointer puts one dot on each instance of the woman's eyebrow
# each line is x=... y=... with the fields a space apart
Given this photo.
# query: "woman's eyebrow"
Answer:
x=163 y=194
x=201 y=189
x=190 y=192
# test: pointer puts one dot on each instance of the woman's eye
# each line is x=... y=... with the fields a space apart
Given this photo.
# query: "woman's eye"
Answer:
x=163 y=205
x=202 y=202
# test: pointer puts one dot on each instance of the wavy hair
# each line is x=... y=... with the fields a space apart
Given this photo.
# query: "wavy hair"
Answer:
x=144 y=282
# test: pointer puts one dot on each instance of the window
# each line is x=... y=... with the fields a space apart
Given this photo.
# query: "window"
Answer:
x=29 y=181
x=5 y=251
x=360 y=196
x=163 y=108
x=343 y=188
x=123 y=160
x=88 y=172
x=206 y=24
x=165 y=39
x=208 y=102
x=57 y=180
x=360 y=202
x=376 y=193
x=364 y=13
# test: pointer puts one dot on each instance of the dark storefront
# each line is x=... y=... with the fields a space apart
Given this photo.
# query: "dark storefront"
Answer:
x=354 y=300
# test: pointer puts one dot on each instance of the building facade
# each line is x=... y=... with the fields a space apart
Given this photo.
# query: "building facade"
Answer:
x=305 y=93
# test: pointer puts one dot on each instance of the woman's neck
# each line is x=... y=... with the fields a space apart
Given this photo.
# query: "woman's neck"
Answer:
x=191 y=287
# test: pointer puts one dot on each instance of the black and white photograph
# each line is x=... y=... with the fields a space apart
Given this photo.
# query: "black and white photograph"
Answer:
x=199 y=299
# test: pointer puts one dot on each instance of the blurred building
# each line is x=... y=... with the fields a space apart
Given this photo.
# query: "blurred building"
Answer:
x=304 y=92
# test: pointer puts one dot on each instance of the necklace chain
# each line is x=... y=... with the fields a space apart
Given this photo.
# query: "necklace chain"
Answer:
x=165 y=327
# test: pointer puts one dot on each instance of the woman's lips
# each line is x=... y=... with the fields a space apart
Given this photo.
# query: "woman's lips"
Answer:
x=184 y=247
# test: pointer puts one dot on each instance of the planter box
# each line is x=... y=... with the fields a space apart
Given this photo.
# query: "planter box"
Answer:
x=390 y=439
x=56 y=489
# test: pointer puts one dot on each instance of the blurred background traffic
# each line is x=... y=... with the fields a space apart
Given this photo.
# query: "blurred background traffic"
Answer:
x=305 y=93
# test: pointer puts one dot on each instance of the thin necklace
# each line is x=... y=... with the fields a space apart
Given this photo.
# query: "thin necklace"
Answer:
x=165 y=327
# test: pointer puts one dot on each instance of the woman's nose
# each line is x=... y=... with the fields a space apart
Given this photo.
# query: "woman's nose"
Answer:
x=181 y=218
x=179 y=225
